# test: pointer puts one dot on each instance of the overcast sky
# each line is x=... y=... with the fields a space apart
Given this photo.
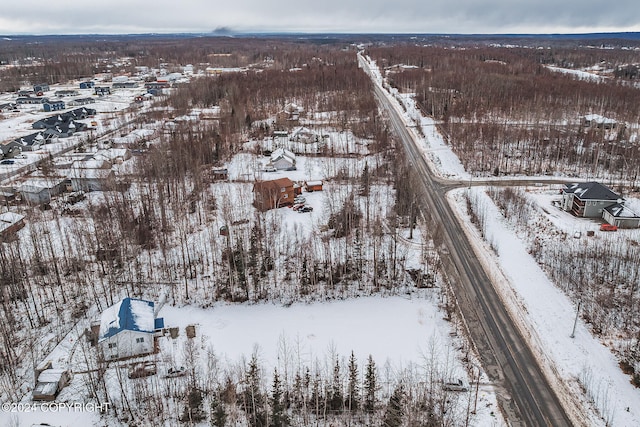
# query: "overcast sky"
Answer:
x=349 y=16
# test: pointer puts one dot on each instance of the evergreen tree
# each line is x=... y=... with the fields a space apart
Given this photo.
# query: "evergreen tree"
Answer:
x=394 y=413
x=353 y=388
x=317 y=396
x=335 y=391
x=218 y=412
x=279 y=416
x=253 y=401
x=370 y=385
x=305 y=280
x=364 y=180
x=255 y=250
x=193 y=411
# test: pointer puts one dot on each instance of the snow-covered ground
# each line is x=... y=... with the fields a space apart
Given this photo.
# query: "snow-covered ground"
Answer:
x=543 y=311
x=371 y=325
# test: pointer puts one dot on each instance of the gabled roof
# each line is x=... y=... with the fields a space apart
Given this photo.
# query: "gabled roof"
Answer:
x=130 y=314
x=591 y=191
x=275 y=184
x=282 y=153
x=31 y=139
x=620 y=211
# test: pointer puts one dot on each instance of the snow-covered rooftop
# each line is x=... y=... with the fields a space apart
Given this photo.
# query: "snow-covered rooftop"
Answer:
x=129 y=314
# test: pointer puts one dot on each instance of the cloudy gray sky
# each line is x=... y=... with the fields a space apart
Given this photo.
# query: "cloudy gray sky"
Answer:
x=350 y=16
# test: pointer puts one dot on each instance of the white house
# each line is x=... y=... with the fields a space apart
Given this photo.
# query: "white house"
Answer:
x=127 y=329
x=283 y=159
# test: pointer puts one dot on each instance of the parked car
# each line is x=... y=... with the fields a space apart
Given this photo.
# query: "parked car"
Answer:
x=608 y=227
x=299 y=199
x=298 y=206
x=457 y=385
x=176 y=371
x=143 y=369
x=305 y=209
x=7 y=162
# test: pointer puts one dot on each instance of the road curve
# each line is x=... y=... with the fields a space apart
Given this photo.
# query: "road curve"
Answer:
x=524 y=394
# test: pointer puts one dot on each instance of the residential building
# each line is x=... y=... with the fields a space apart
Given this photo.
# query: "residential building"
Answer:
x=273 y=194
x=127 y=329
x=42 y=87
x=10 y=149
x=81 y=101
x=91 y=179
x=32 y=142
x=588 y=199
x=10 y=223
x=31 y=100
x=38 y=191
x=66 y=92
x=102 y=90
x=283 y=159
x=55 y=105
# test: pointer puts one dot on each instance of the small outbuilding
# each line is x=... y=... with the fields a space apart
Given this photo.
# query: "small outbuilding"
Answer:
x=49 y=383
x=313 y=186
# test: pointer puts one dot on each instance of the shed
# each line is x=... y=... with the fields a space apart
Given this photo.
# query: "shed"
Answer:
x=87 y=85
x=313 y=186
x=50 y=382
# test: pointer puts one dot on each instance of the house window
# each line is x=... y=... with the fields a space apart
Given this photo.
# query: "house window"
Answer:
x=113 y=345
x=285 y=196
x=139 y=340
x=282 y=190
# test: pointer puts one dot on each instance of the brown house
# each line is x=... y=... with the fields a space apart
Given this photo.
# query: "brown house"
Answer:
x=273 y=194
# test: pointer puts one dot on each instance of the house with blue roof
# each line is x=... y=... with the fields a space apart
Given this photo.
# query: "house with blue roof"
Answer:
x=127 y=329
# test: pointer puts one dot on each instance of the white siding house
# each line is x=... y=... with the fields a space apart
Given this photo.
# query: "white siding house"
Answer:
x=283 y=159
x=127 y=328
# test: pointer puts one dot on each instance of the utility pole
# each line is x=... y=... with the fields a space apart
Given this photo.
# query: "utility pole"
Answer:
x=575 y=322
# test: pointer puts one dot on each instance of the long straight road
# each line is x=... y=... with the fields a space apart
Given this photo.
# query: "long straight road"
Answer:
x=524 y=393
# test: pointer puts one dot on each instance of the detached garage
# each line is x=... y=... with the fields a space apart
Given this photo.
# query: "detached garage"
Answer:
x=621 y=216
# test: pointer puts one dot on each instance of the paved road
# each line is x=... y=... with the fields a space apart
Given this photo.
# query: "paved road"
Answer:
x=523 y=392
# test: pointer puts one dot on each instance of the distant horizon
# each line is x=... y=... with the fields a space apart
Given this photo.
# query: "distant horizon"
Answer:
x=234 y=33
